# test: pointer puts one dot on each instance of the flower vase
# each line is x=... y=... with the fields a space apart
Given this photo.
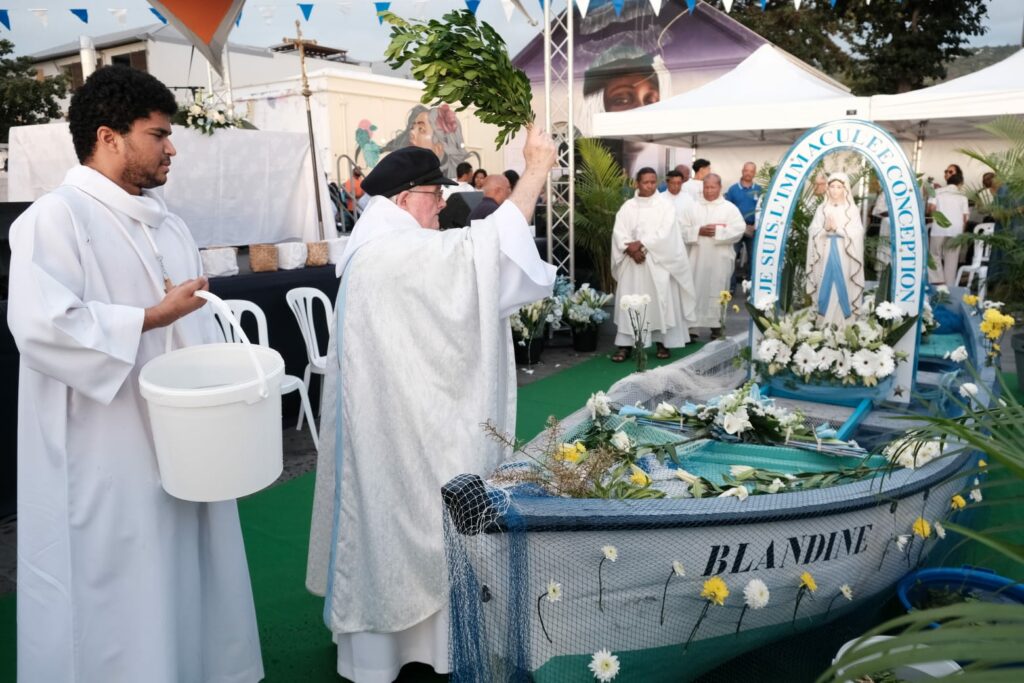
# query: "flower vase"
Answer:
x=528 y=351
x=640 y=353
x=584 y=338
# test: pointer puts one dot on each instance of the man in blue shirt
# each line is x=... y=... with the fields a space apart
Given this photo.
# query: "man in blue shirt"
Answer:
x=744 y=195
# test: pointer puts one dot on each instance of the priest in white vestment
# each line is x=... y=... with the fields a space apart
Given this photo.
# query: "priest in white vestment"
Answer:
x=695 y=185
x=649 y=257
x=117 y=580
x=711 y=226
x=674 y=192
x=422 y=356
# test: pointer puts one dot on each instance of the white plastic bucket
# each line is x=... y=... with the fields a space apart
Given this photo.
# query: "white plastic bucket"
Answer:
x=215 y=411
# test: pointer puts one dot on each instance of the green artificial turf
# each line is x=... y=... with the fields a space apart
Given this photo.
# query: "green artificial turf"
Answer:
x=297 y=646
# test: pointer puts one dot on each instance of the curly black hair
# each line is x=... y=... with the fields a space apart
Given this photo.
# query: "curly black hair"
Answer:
x=114 y=96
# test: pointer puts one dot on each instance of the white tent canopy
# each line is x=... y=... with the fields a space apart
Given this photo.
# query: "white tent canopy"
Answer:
x=769 y=98
x=954 y=108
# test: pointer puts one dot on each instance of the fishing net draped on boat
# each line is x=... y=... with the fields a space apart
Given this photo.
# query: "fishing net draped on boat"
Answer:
x=548 y=588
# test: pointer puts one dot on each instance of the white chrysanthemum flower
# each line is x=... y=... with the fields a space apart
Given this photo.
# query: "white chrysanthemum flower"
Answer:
x=195 y=110
x=901 y=542
x=756 y=594
x=992 y=304
x=776 y=485
x=846 y=591
x=968 y=389
x=865 y=363
x=740 y=492
x=677 y=568
x=886 y=361
x=621 y=441
x=746 y=286
x=940 y=530
x=867 y=332
x=888 y=311
x=959 y=354
x=911 y=454
x=604 y=665
x=736 y=421
x=554 y=593
x=975 y=493
x=739 y=471
x=610 y=552
x=841 y=365
x=598 y=405
x=806 y=359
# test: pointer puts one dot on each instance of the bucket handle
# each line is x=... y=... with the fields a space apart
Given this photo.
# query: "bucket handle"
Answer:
x=225 y=311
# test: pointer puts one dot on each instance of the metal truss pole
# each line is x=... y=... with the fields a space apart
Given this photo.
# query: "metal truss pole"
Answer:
x=559 y=121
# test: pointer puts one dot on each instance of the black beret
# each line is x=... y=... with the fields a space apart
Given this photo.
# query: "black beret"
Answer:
x=404 y=169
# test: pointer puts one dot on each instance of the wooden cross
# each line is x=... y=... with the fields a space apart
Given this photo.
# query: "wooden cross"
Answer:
x=306 y=93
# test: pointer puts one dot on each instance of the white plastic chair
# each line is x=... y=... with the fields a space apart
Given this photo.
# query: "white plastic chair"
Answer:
x=979 y=264
x=302 y=301
x=289 y=383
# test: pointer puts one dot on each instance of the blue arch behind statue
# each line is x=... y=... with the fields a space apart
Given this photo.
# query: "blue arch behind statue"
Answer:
x=908 y=242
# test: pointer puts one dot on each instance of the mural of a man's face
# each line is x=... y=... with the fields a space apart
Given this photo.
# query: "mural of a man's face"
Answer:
x=422 y=133
x=629 y=91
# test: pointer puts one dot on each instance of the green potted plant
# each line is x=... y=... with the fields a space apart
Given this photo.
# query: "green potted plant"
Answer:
x=600 y=184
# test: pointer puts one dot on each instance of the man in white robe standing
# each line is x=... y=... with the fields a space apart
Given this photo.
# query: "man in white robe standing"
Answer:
x=649 y=257
x=711 y=227
x=674 y=192
x=422 y=356
x=695 y=185
x=117 y=580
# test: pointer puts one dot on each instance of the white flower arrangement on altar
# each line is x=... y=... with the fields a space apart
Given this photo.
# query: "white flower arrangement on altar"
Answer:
x=859 y=353
x=584 y=308
x=205 y=116
x=528 y=322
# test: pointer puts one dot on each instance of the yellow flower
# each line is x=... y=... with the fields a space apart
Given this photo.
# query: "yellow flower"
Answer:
x=715 y=590
x=970 y=299
x=997 y=348
x=807 y=581
x=922 y=528
x=735 y=308
x=571 y=452
x=639 y=477
x=958 y=502
x=982 y=464
x=724 y=297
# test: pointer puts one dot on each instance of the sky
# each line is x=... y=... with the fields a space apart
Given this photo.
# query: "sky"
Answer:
x=347 y=24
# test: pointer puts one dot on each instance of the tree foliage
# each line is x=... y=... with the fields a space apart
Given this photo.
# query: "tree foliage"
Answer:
x=600 y=192
x=25 y=99
x=884 y=47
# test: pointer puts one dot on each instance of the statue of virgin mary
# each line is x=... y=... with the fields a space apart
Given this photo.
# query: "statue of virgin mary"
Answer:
x=835 y=254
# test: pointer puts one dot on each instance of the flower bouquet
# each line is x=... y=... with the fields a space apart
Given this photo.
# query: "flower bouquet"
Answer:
x=205 y=116
x=528 y=325
x=798 y=354
x=583 y=310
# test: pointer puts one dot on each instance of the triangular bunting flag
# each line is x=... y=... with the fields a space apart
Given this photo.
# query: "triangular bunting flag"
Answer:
x=690 y=4
x=584 y=5
x=421 y=9
x=159 y=16
x=382 y=7
x=238 y=20
x=307 y=9
x=267 y=12
x=728 y=5
x=509 y=7
x=796 y=3
x=834 y=4
x=345 y=7
x=43 y=15
x=617 y=4
x=764 y=3
x=471 y=5
x=204 y=25
x=5 y=18
x=120 y=14
x=656 y=6
x=82 y=14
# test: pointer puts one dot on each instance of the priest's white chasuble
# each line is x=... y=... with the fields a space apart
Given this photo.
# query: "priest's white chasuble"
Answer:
x=421 y=356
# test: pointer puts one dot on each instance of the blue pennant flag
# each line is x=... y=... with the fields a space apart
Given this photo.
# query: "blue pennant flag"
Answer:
x=82 y=14
x=238 y=20
x=307 y=9
x=833 y=3
x=617 y=4
x=382 y=7
x=763 y=4
x=159 y=16
x=541 y=4
x=691 y=4
x=5 y=18
x=471 y=5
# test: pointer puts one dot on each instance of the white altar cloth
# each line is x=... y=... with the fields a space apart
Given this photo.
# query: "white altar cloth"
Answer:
x=232 y=188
